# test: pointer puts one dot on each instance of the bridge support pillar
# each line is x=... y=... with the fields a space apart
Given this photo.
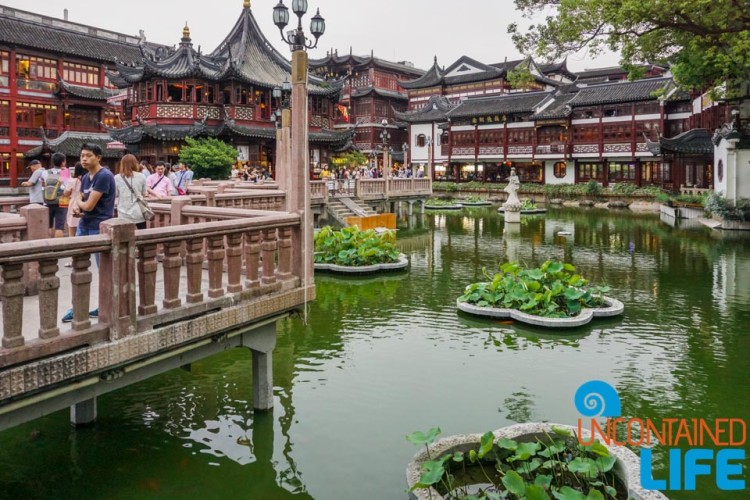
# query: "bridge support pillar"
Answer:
x=261 y=343
x=410 y=211
x=83 y=413
x=421 y=208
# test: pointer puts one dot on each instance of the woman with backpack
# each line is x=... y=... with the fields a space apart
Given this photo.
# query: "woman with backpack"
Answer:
x=131 y=187
x=73 y=192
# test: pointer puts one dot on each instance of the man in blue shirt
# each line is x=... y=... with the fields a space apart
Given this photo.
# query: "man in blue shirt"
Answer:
x=97 y=201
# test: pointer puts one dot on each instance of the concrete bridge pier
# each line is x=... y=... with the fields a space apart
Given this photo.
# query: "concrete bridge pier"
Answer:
x=410 y=209
x=83 y=413
x=261 y=343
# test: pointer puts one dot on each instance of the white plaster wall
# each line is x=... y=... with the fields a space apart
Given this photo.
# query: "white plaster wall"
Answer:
x=721 y=154
x=736 y=181
x=549 y=173
x=419 y=154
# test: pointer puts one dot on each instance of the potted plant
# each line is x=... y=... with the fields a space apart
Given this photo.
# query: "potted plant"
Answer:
x=552 y=295
x=353 y=251
x=536 y=461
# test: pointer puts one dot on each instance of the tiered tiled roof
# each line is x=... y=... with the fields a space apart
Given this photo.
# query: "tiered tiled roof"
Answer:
x=26 y=29
x=361 y=92
x=640 y=90
x=432 y=78
x=435 y=110
x=525 y=102
x=695 y=141
x=557 y=109
x=135 y=133
x=70 y=143
x=333 y=59
x=84 y=92
x=245 y=54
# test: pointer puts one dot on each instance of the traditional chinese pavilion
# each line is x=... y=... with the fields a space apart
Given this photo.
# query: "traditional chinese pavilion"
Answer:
x=370 y=94
x=177 y=93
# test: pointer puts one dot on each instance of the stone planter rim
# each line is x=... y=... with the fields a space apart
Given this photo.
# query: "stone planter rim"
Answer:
x=526 y=212
x=402 y=263
x=628 y=466
x=614 y=308
x=455 y=206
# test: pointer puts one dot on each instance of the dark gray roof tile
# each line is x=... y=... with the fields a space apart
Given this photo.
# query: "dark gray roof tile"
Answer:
x=524 y=102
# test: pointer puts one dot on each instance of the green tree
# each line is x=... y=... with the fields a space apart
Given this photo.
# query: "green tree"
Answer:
x=355 y=158
x=520 y=77
x=209 y=158
x=706 y=42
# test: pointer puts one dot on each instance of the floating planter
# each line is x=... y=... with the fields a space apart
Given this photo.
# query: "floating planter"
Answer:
x=533 y=460
x=551 y=296
x=352 y=251
x=528 y=207
x=475 y=201
x=438 y=204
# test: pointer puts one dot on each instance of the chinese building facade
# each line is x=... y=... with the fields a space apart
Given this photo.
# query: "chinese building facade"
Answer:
x=474 y=127
x=371 y=98
x=177 y=93
x=54 y=87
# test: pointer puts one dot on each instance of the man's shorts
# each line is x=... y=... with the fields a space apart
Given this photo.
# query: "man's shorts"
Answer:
x=57 y=215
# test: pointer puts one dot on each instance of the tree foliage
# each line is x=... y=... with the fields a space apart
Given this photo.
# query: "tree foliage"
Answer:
x=355 y=158
x=520 y=77
x=208 y=157
x=706 y=42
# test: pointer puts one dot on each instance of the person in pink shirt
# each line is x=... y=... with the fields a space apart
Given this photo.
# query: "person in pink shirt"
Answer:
x=158 y=184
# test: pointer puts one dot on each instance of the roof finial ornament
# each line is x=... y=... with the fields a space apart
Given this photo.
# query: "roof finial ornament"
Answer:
x=186 y=31
x=246 y=4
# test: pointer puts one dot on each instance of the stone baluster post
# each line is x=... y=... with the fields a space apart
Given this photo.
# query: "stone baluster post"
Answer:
x=12 y=293
x=171 y=265
x=49 y=286
x=117 y=280
x=81 y=278
x=147 y=266
x=284 y=271
x=234 y=263
x=268 y=248
x=194 y=259
x=252 y=259
x=37 y=228
x=215 y=254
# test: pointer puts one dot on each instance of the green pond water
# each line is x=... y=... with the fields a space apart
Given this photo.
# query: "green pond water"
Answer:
x=384 y=356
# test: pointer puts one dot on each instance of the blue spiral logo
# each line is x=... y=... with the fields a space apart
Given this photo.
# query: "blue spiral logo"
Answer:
x=598 y=399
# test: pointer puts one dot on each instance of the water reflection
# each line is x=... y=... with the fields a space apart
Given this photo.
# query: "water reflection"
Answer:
x=387 y=355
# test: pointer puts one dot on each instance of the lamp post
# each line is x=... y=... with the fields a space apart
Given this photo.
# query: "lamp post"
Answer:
x=281 y=117
x=405 y=149
x=385 y=137
x=298 y=167
x=429 y=172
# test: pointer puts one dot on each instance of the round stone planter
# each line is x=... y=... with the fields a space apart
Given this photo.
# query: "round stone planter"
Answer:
x=402 y=263
x=443 y=207
x=526 y=212
x=613 y=308
x=627 y=468
x=476 y=203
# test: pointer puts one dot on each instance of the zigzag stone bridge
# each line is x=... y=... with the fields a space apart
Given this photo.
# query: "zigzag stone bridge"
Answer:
x=215 y=270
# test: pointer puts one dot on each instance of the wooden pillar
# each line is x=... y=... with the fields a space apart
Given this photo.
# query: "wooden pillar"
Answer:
x=13 y=87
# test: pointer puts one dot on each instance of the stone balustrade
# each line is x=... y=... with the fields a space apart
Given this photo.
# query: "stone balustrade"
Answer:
x=157 y=289
x=13 y=204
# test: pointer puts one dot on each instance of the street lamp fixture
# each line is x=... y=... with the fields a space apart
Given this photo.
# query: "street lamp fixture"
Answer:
x=296 y=38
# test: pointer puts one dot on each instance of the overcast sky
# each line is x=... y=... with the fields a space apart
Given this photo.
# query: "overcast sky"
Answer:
x=397 y=30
